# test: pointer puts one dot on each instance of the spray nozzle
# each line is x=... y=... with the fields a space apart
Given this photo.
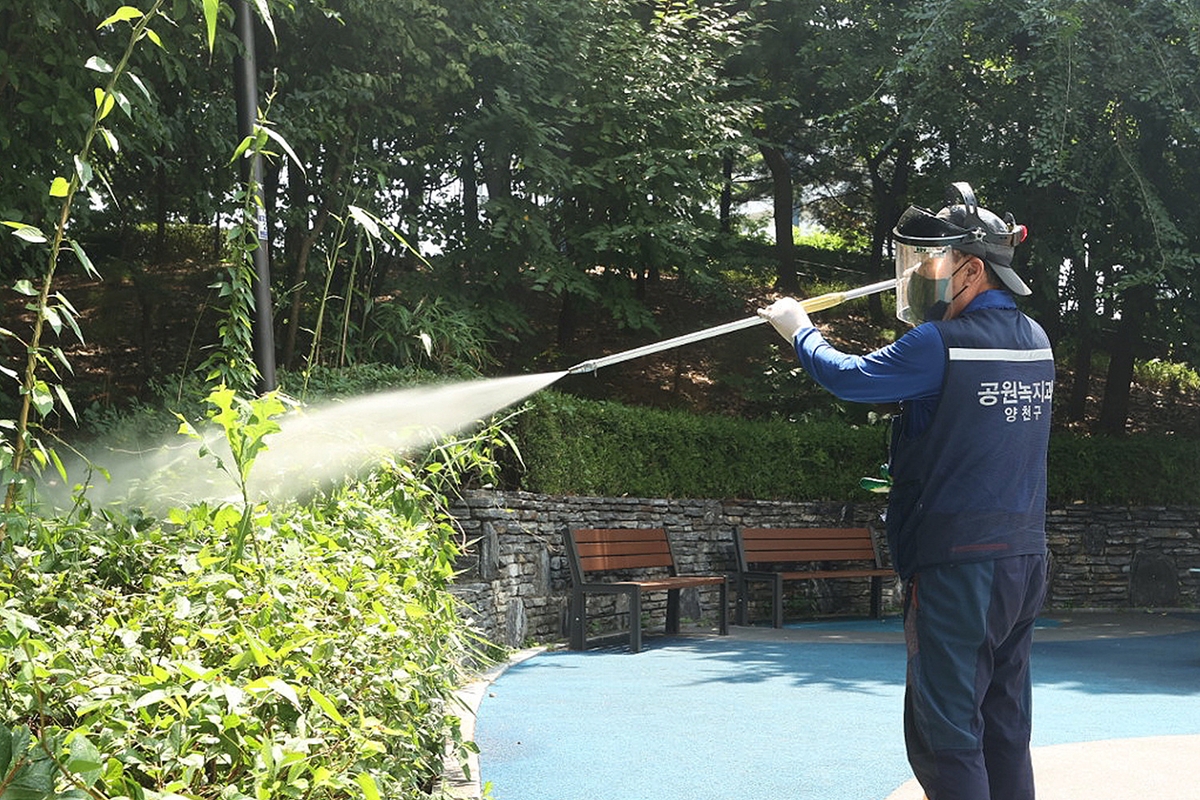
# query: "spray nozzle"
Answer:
x=584 y=366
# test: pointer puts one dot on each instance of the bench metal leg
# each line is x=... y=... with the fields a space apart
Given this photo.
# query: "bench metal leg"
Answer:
x=876 y=597
x=635 y=620
x=742 y=601
x=578 y=621
x=777 y=602
x=672 y=611
x=723 y=609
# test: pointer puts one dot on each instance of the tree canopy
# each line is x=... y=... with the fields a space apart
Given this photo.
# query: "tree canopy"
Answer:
x=579 y=151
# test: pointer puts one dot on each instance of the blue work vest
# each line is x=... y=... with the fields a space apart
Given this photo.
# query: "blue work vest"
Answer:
x=972 y=485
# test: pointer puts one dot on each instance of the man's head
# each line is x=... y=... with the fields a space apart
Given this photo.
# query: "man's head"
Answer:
x=932 y=249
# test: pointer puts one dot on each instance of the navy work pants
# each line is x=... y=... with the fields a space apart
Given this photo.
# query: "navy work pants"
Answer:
x=967 y=704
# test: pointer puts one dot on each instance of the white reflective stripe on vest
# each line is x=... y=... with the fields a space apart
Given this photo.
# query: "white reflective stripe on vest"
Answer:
x=989 y=354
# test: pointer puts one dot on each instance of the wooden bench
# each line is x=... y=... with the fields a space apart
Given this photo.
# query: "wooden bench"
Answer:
x=773 y=555
x=594 y=551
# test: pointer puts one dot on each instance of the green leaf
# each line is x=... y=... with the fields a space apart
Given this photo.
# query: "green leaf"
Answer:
x=41 y=397
x=123 y=14
x=368 y=222
x=98 y=64
x=86 y=262
x=152 y=36
x=287 y=148
x=59 y=187
x=264 y=13
x=104 y=102
x=66 y=404
x=211 y=7
x=33 y=780
x=123 y=102
x=326 y=705
x=26 y=232
x=69 y=315
x=25 y=287
x=369 y=787
x=52 y=318
x=150 y=698
x=242 y=148
x=110 y=140
x=141 y=87
x=285 y=690
x=16 y=623
x=6 y=744
x=61 y=357
x=84 y=758
x=84 y=170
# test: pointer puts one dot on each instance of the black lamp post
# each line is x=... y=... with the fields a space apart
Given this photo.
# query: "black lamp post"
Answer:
x=246 y=85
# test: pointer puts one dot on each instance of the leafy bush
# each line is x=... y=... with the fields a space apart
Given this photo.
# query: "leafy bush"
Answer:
x=1166 y=375
x=149 y=658
x=430 y=334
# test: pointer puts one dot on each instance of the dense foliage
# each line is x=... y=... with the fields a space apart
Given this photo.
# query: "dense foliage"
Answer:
x=568 y=153
x=574 y=446
x=238 y=650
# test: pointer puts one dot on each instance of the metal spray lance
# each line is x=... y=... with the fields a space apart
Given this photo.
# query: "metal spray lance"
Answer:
x=811 y=304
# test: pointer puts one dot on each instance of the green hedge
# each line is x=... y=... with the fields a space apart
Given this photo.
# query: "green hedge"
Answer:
x=575 y=446
x=1133 y=470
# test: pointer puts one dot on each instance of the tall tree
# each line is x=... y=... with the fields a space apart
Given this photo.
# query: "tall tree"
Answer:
x=603 y=168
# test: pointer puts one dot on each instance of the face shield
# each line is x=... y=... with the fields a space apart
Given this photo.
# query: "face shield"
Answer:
x=929 y=246
x=923 y=285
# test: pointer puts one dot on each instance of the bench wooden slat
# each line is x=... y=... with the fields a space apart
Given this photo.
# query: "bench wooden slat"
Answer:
x=601 y=563
x=798 y=536
x=824 y=554
x=586 y=549
x=616 y=535
x=773 y=554
x=597 y=550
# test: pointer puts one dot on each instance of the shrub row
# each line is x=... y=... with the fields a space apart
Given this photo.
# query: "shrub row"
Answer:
x=149 y=655
x=575 y=446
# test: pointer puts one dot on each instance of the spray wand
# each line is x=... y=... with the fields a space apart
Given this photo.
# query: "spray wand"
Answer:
x=811 y=304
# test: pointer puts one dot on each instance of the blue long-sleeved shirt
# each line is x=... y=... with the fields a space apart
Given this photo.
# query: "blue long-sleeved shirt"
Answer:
x=910 y=370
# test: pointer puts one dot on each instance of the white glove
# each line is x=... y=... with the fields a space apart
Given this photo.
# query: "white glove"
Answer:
x=787 y=316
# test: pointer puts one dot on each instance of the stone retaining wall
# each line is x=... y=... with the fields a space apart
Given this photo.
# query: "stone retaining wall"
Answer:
x=515 y=581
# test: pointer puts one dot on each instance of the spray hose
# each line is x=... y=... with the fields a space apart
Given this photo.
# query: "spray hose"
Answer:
x=811 y=304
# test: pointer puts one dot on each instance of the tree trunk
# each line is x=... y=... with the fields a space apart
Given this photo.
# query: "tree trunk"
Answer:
x=567 y=319
x=783 y=197
x=726 y=212
x=1114 y=409
x=1081 y=368
x=496 y=161
x=887 y=195
x=307 y=242
x=1086 y=325
x=470 y=194
x=160 y=208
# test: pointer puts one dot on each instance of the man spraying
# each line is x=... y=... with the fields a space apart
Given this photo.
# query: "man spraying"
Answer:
x=966 y=513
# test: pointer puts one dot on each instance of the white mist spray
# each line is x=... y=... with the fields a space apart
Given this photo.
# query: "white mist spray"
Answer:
x=316 y=445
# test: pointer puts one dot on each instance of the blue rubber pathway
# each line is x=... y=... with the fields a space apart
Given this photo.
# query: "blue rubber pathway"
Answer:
x=811 y=711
